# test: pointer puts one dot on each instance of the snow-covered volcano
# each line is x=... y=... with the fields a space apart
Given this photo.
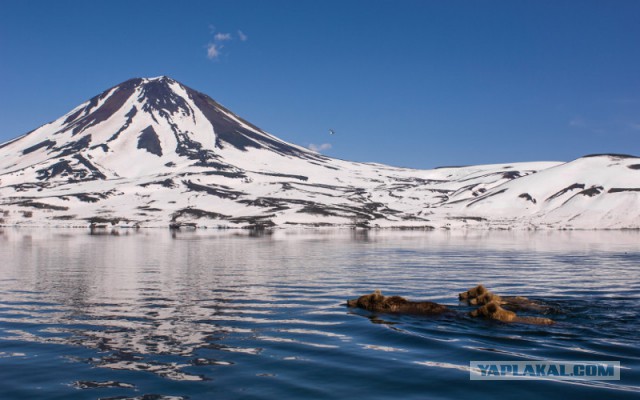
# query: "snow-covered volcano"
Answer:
x=153 y=152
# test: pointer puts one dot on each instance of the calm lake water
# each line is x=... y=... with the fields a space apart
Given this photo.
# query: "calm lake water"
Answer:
x=202 y=315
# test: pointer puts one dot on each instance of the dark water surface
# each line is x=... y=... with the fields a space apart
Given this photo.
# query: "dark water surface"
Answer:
x=205 y=315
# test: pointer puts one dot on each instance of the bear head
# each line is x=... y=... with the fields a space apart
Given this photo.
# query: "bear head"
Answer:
x=485 y=298
x=472 y=293
x=494 y=311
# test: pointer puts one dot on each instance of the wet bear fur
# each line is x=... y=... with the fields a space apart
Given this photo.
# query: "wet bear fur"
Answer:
x=472 y=293
x=377 y=302
x=493 y=310
x=479 y=296
x=491 y=306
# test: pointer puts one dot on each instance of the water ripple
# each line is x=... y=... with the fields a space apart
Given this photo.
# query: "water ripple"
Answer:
x=195 y=316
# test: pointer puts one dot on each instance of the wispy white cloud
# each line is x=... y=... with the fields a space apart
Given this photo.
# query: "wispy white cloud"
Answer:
x=624 y=101
x=221 y=37
x=319 y=147
x=215 y=46
x=605 y=126
x=578 y=122
x=213 y=51
x=634 y=126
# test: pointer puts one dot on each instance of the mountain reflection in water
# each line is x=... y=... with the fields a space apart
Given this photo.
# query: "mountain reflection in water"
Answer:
x=202 y=313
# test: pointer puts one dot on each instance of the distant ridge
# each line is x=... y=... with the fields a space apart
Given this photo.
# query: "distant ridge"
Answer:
x=610 y=155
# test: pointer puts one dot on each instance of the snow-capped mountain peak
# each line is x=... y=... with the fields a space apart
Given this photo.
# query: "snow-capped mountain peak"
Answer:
x=153 y=152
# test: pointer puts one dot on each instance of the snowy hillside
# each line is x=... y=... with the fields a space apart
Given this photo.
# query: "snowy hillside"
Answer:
x=153 y=152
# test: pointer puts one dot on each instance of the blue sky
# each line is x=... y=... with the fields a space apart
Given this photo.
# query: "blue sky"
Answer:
x=408 y=83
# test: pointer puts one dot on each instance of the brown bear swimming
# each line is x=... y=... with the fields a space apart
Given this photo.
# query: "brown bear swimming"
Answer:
x=490 y=306
x=479 y=296
x=493 y=310
x=472 y=293
x=377 y=302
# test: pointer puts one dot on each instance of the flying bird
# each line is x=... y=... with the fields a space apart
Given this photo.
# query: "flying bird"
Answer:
x=332 y=132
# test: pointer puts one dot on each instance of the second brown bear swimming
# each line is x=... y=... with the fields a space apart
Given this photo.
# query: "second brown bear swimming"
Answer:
x=480 y=296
